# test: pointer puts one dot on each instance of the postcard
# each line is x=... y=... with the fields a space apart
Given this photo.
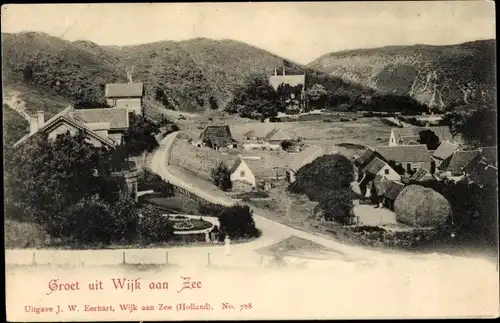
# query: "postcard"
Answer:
x=244 y=161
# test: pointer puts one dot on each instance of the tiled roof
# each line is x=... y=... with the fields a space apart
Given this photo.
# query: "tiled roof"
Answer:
x=393 y=189
x=305 y=157
x=408 y=153
x=236 y=164
x=445 y=150
x=374 y=166
x=459 y=160
x=118 y=90
x=218 y=135
x=421 y=174
x=407 y=139
x=490 y=154
x=292 y=80
x=117 y=117
x=443 y=132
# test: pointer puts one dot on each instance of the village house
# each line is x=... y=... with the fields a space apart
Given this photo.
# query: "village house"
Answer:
x=291 y=90
x=364 y=159
x=481 y=172
x=377 y=167
x=217 y=138
x=403 y=136
x=410 y=157
x=125 y=95
x=383 y=192
x=101 y=128
x=242 y=176
x=270 y=141
x=303 y=158
x=454 y=166
x=444 y=151
x=390 y=194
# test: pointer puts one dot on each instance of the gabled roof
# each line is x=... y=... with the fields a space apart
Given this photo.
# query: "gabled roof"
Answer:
x=292 y=80
x=123 y=90
x=445 y=150
x=407 y=139
x=375 y=166
x=305 y=157
x=62 y=118
x=404 y=153
x=218 y=135
x=117 y=117
x=393 y=189
x=236 y=164
x=277 y=134
x=459 y=160
x=490 y=154
x=365 y=158
x=421 y=174
x=443 y=132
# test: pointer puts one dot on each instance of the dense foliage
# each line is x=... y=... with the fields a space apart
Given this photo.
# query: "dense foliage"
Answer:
x=237 y=222
x=327 y=180
x=140 y=136
x=147 y=180
x=222 y=177
x=14 y=126
x=429 y=138
x=256 y=99
x=478 y=127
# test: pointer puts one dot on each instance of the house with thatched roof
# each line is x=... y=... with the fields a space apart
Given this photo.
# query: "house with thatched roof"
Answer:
x=455 y=165
x=303 y=158
x=217 y=138
x=377 y=168
x=402 y=136
x=276 y=136
x=242 y=175
x=444 y=151
x=410 y=157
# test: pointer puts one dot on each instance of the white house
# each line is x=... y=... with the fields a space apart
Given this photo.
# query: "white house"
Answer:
x=402 y=136
x=242 y=174
x=125 y=95
x=378 y=167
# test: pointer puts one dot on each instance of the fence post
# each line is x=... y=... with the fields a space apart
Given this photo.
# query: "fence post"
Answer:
x=124 y=261
x=33 y=262
x=209 y=259
x=261 y=259
x=166 y=257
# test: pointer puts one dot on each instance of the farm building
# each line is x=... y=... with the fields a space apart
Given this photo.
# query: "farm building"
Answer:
x=444 y=151
x=125 y=95
x=217 y=138
x=377 y=168
x=410 y=157
x=242 y=176
x=392 y=190
x=401 y=136
x=456 y=164
x=303 y=158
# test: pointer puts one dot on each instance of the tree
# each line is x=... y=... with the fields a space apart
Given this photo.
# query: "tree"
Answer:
x=256 y=99
x=286 y=144
x=478 y=128
x=147 y=180
x=237 y=222
x=429 y=138
x=15 y=126
x=337 y=205
x=317 y=96
x=154 y=227
x=140 y=135
x=222 y=177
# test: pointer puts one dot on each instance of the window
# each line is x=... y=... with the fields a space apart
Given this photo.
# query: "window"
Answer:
x=386 y=171
x=242 y=173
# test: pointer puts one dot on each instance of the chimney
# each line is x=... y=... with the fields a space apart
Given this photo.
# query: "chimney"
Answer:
x=41 y=118
x=283 y=70
x=33 y=123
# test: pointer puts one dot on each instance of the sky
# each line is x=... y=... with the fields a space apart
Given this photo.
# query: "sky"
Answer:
x=298 y=31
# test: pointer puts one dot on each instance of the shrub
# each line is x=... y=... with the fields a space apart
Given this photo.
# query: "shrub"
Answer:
x=154 y=227
x=286 y=144
x=210 y=209
x=147 y=180
x=420 y=206
x=237 y=222
x=222 y=177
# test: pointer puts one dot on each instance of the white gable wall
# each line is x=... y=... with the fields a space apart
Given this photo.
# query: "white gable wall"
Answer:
x=243 y=173
x=389 y=173
x=392 y=139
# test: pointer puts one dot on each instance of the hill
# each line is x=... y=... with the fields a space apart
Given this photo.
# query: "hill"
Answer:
x=438 y=76
x=192 y=76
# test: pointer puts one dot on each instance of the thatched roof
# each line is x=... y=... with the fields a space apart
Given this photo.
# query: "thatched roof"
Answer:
x=365 y=158
x=277 y=134
x=305 y=157
x=393 y=189
x=443 y=132
x=374 y=166
x=445 y=150
x=404 y=154
x=421 y=207
x=459 y=160
x=218 y=135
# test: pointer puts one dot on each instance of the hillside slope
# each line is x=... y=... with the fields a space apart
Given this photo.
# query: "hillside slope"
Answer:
x=438 y=76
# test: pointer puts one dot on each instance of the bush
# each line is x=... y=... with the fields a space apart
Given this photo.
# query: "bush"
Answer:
x=147 y=180
x=420 y=206
x=237 y=222
x=286 y=144
x=210 y=209
x=221 y=177
x=154 y=227
x=344 y=119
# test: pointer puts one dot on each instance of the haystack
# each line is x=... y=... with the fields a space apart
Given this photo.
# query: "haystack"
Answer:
x=421 y=207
